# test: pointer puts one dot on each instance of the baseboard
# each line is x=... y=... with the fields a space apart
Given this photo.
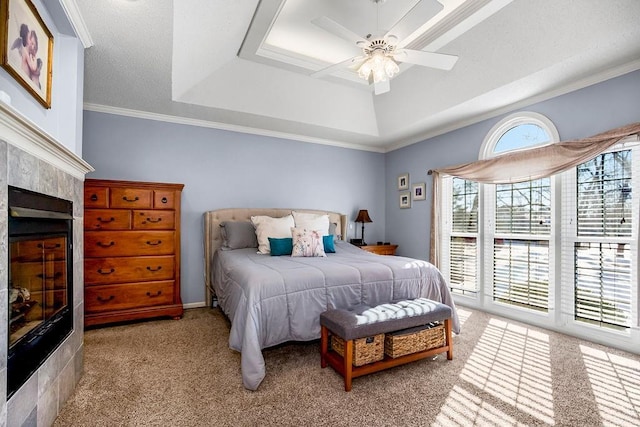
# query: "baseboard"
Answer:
x=194 y=305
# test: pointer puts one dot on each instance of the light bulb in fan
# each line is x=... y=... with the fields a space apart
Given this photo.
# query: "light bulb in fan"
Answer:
x=391 y=67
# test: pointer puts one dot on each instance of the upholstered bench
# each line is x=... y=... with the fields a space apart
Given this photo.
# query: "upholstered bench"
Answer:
x=364 y=321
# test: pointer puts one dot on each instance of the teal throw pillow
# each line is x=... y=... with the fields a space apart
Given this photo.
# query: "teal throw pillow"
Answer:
x=329 y=247
x=281 y=246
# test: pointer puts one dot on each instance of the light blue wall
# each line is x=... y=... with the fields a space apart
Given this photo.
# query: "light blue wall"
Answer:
x=63 y=120
x=578 y=114
x=222 y=169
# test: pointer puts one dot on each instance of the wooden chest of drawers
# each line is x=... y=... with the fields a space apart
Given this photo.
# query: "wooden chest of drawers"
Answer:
x=132 y=250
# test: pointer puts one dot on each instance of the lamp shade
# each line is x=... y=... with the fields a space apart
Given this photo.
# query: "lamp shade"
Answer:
x=363 y=216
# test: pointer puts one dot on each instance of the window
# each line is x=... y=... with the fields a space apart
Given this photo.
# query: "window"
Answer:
x=464 y=237
x=518 y=221
x=521 y=243
x=560 y=251
x=602 y=241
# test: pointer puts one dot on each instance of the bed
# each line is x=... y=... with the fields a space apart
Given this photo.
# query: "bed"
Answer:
x=270 y=300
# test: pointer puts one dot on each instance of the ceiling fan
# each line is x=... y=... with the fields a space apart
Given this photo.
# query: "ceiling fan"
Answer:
x=381 y=54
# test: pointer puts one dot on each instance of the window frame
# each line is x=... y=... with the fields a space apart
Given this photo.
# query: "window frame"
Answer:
x=570 y=237
x=449 y=231
x=503 y=126
x=488 y=211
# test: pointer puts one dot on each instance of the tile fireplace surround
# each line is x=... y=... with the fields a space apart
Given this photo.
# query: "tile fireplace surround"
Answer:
x=33 y=160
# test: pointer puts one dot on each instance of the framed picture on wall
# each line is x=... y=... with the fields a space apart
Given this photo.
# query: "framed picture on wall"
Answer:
x=418 y=191
x=26 y=45
x=403 y=181
x=405 y=199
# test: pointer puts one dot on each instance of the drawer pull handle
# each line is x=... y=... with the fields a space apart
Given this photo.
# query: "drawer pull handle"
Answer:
x=105 y=272
x=164 y=200
x=106 y=220
x=157 y=294
x=158 y=268
x=106 y=299
x=154 y=220
x=154 y=243
x=43 y=246
x=105 y=245
x=94 y=197
x=126 y=199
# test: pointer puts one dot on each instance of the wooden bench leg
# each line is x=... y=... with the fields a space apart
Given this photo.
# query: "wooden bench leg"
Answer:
x=348 y=364
x=324 y=345
x=447 y=328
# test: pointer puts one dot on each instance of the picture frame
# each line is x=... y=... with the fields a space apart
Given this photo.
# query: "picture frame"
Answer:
x=418 y=191
x=405 y=200
x=403 y=181
x=26 y=48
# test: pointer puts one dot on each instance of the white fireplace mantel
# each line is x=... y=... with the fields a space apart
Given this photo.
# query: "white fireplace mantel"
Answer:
x=21 y=132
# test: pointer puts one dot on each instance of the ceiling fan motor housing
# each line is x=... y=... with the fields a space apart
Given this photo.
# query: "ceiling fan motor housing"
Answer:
x=378 y=44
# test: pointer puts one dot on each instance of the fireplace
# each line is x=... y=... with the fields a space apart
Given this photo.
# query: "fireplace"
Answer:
x=40 y=281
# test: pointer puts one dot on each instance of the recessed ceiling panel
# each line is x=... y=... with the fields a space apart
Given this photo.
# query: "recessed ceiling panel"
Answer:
x=294 y=31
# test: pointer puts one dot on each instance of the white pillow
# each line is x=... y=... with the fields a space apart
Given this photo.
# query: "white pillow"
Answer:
x=311 y=221
x=307 y=243
x=267 y=226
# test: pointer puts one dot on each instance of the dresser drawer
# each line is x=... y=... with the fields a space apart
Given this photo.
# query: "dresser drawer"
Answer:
x=128 y=243
x=96 y=197
x=102 y=271
x=130 y=295
x=132 y=198
x=163 y=199
x=153 y=220
x=107 y=219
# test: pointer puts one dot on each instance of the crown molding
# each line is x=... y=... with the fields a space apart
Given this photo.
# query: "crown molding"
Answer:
x=77 y=22
x=224 y=126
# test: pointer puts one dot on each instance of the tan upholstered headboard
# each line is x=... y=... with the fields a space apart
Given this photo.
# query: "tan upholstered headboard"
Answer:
x=213 y=240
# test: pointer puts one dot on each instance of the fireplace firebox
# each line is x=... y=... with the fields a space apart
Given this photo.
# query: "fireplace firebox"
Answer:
x=40 y=281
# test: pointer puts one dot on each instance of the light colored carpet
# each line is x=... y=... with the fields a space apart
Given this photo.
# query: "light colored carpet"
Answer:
x=182 y=373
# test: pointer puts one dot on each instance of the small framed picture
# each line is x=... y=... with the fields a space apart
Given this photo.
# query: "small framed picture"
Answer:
x=403 y=181
x=418 y=191
x=26 y=48
x=405 y=199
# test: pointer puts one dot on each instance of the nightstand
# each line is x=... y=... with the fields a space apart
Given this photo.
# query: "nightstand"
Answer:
x=380 y=249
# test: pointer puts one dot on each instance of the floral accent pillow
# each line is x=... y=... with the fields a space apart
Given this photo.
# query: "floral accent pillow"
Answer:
x=311 y=221
x=307 y=243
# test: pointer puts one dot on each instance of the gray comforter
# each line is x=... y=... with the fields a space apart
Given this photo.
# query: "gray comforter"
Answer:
x=271 y=300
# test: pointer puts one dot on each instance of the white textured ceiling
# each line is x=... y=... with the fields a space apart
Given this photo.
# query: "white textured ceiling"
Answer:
x=245 y=64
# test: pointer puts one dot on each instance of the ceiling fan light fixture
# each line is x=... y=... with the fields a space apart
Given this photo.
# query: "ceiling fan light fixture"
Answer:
x=379 y=65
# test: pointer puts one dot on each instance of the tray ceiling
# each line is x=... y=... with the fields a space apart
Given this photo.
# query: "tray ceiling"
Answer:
x=246 y=65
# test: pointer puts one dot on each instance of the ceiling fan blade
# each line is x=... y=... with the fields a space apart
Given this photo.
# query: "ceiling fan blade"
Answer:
x=330 y=69
x=336 y=29
x=426 y=59
x=423 y=11
x=381 y=87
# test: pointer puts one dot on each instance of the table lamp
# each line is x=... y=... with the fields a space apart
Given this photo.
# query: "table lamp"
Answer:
x=363 y=216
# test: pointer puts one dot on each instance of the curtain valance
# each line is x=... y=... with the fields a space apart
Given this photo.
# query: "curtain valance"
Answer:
x=539 y=162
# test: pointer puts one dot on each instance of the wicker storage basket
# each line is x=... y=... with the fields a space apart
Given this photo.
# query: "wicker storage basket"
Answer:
x=412 y=340
x=365 y=350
